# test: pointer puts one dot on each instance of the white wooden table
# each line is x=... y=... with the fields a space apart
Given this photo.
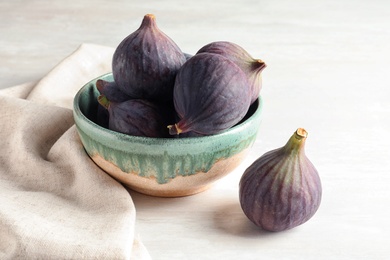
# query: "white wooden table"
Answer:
x=328 y=71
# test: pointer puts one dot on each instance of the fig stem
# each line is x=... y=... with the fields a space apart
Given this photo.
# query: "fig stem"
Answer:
x=174 y=129
x=297 y=141
x=151 y=16
x=149 y=20
x=259 y=65
x=102 y=99
x=99 y=85
x=301 y=133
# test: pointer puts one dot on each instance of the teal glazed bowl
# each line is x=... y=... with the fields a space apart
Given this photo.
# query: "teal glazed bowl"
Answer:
x=164 y=167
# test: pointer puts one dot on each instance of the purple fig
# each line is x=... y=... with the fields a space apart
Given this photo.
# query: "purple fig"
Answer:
x=211 y=94
x=251 y=67
x=146 y=62
x=281 y=189
x=135 y=117
x=111 y=91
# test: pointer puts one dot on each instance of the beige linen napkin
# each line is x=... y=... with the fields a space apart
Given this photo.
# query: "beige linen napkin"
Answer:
x=55 y=203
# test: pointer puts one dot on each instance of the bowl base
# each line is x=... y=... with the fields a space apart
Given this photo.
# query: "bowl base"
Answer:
x=177 y=187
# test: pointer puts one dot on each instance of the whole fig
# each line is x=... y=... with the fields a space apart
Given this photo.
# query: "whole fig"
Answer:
x=251 y=67
x=134 y=117
x=146 y=62
x=211 y=94
x=111 y=91
x=281 y=189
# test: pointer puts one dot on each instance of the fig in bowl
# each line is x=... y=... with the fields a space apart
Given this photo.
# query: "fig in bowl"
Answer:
x=168 y=166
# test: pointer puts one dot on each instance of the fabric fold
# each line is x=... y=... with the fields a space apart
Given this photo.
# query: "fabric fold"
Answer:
x=55 y=203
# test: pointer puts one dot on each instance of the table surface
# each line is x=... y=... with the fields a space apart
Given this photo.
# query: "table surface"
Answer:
x=328 y=67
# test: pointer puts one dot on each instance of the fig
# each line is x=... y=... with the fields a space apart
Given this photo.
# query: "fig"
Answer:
x=134 y=117
x=251 y=67
x=211 y=94
x=282 y=188
x=145 y=63
x=111 y=91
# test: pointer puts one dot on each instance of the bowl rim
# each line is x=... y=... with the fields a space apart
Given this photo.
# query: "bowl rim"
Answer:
x=78 y=114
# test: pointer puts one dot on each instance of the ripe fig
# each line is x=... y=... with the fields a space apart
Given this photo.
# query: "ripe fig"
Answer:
x=281 y=189
x=134 y=117
x=251 y=67
x=211 y=94
x=146 y=62
x=111 y=91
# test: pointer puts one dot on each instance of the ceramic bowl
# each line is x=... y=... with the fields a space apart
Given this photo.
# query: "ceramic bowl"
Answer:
x=164 y=167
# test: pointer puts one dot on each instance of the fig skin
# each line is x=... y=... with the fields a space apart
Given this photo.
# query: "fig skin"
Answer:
x=282 y=188
x=111 y=91
x=251 y=67
x=211 y=94
x=135 y=117
x=145 y=63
